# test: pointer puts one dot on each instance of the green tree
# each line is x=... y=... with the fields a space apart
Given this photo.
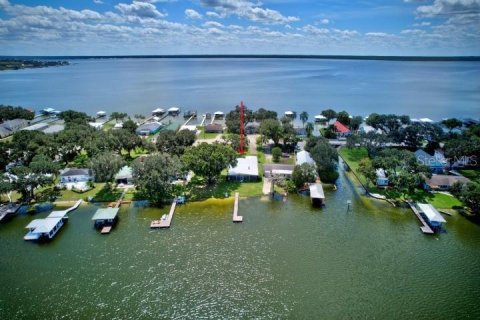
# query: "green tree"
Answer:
x=75 y=117
x=309 y=129
x=153 y=176
x=329 y=114
x=234 y=141
x=325 y=157
x=288 y=134
x=117 y=116
x=304 y=117
x=355 y=123
x=5 y=188
x=343 y=117
x=232 y=119
x=471 y=196
x=366 y=168
x=303 y=174
x=130 y=126
x=276 y=154
x=26 y=182
x=175 y=143
x=452 y=123
x=271 y=129
x=10 y=113
x=42 y=164
x=263 y=114
x=209 y=160
x=105 y=166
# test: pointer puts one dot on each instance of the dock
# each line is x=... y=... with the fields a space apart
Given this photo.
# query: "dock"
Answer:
x=8 y=210
x=106 y=230
x=425 y=228
x=164 y=223
x=236 y=217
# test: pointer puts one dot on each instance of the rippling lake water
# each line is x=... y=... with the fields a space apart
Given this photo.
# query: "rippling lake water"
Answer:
x=286 y=260
x=419 y=89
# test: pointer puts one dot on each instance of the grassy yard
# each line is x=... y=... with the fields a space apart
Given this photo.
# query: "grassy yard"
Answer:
x=471 y=174
x=444 y=201
x=69 y=195
x=198 y=190
x=353 y=157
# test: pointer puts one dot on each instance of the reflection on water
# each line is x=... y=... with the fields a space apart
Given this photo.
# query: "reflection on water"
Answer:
x=286 y=260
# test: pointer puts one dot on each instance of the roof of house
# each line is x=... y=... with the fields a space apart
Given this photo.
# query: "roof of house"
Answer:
x=54 y=128
x=430 y=212
x=445 y=180
x=340 y=127
x=173 y=109
x=76 y=172
x=37 y=126
x=303 y=157
x=218 y=113
x=13 y=124
x=149 y=126
x=247 y=166
x=96 y=125
x=320 y=117
x=380 y=173
x=105 y=214
x=124 y=173
x=427 y=159
x=316 y=191
x=158 y=110
x=278 y=167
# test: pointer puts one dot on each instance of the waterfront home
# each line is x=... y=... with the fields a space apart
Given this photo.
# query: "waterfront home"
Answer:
x=46 y=228
x=430 y=161
x=245 y=170
x=158 y=112
x=214 y=128
x=174 y=111
x=101 y=114
x=321 y=119
x=433 y=217
x=219 y=115
x=341 y=129
x=76 y=178
x=148 y=128
x=9 y=127
x=303 y=157
x=277 y=169
x=105 y=217
x=382 y=179
x=124 y=176
x=443 y=182
x=317 y=195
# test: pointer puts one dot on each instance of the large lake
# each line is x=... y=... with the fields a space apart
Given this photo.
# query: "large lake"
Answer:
x=419 y=89
x=285 y=261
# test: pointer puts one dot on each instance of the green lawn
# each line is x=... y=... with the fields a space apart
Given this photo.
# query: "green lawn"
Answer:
x=69 y=195
x=353 y=157
x=444 y=201
x=471 y=174
x=198 y=190
x=208 y=136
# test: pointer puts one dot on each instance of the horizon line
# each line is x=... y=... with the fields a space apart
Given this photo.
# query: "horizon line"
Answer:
x=260 y=56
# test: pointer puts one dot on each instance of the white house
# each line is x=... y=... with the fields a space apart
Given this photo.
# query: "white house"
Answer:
x=303 y=157
x=245 y=170
x=382 y=179
x=76 y=178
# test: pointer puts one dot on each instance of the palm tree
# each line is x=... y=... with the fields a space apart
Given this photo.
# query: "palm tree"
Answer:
x=309 y=129
x=304 y=117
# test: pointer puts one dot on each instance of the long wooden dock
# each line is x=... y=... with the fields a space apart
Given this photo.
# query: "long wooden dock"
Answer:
x=236 y=217
x=425 y=228
x=165 y=223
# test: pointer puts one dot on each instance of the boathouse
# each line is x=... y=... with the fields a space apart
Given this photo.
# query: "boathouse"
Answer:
x=46 y=228
x=316 y=194
x=105 y=217
x=174 y=111
x=158 y=112
x=245 y=170
x=148 y=128
x=434 y=218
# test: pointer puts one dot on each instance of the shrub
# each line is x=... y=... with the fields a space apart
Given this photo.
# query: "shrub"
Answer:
x=276 y=154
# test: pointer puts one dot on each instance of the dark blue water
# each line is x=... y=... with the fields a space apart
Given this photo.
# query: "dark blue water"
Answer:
x=420 y=89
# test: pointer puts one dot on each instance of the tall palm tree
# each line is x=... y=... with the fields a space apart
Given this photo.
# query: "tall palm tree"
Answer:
x=309 y=129
x=304 y=117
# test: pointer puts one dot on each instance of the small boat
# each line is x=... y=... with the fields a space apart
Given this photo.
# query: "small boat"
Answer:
x=164 y=217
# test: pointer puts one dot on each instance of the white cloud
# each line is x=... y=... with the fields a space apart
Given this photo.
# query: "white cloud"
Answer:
x=140 y=9
x=449 y=7
x=248 y=10
x=213 y=14
x=213 y=24
x=422 y=24
x=98 y=1
x=376 y=34
x=324 y=21
x=192 y=14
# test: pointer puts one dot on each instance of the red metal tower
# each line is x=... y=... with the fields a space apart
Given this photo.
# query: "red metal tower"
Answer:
x=242 y=129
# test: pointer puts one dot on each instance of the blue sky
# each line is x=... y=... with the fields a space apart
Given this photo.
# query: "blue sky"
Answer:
x=114 y=27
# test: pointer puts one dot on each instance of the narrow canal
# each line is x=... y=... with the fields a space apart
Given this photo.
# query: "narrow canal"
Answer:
x=286 y=260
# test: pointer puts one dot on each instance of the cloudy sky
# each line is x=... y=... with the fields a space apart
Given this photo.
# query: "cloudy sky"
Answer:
x=115 y=27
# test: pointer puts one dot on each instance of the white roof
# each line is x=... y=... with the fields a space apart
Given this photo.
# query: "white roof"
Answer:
x=173 y=109
x=426 y=120
x=43 y=225
x=101 y=112
x=189 y=127
x=35 y=223
x=303 y=157
x=316 y=191
x=118 y=125
x=58 y=214
x=282 y=171
x=289 y=113
x=247 y=166
x=96 y=125
x=430 y=212
x=218 y=113
x=158 y=110
x=380 y=173
x=320 y=117
x=48 y=110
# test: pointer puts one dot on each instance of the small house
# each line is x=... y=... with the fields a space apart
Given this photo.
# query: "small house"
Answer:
x=214 y=128
x=341 y=129
x=276 y=169
x=148 y=128
x=105 y=217
x=382 y=179
x=443 y=182
x=316 y=194
x=124 y=176
x=76 y=178
x=219 y=115
x=303 y=157
x=245 y=170
x=433 y=217
x=158 y=112
x=430 y=161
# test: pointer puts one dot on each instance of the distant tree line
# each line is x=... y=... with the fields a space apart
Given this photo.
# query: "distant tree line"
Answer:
x=10 y=113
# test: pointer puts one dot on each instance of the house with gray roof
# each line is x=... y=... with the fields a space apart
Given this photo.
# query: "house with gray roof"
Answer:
x=9 y=127
x=430 y=161
x=149 y=128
